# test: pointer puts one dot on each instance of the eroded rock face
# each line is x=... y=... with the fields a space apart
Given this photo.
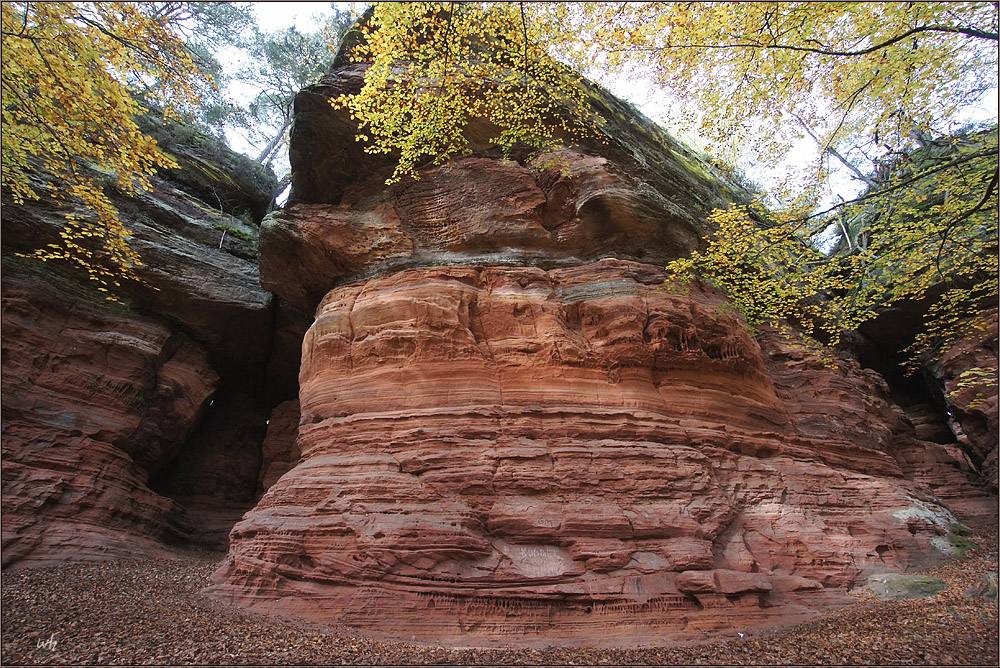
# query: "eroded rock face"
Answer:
x=973 y=406
x=280 y=449
x=959 y=403
x=496 y=452
x=507 y=429
x=94 y=400
x=112 y=412
x=630 y=191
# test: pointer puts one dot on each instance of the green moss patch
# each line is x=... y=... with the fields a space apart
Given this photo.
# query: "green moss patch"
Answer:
x=961 y=544
x=960 y=529
x=897 y=586
x=235 y=232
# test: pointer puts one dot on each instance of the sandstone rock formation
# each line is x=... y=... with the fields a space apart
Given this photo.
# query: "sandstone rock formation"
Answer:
x=467 y=408
x=493 y=452
x=113 y=412
x=93 y=402
x=510 y=430
x=631 y=191
x=280 y=449
x=959 y=401
x=973 y=408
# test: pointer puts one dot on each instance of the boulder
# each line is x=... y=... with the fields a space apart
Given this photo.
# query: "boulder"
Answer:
x=985 y=589
x=901 y=585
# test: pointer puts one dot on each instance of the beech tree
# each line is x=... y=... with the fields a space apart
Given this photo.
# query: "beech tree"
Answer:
x=877 y=87
x=70 y=72
x=437 y=66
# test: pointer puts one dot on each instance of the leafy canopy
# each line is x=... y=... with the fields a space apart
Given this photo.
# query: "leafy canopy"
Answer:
x=878 y=88
x=861 y=77
x=70 y=73
x=436 y=67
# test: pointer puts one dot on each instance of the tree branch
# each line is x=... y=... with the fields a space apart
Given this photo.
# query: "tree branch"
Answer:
x=832 y=151
x=968 y=32
x=902 y=184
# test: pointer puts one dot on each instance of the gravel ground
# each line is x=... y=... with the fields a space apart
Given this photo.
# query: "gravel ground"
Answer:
x=150 y=612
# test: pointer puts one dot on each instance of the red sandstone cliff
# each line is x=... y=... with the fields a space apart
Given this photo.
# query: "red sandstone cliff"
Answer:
x=489 y=452
x=503 y=435
x=505 y=424
x=113 y=413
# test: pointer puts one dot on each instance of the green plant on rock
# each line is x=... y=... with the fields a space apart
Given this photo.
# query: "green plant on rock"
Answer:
x=235 y=232
x=961 y=544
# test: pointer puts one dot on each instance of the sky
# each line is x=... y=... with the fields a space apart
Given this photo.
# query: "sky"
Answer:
x=279 y=15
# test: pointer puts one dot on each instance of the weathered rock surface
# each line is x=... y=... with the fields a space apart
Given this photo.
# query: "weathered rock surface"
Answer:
x=280 y=449
x=895 y=585
x=111 y=410
x=496 y=452
x=222 y=457
x=973 y=406
x=508 y=430
x=199 y=269
x=631 y=192
x=960 y=404
x=224 y=180
x=94 y=400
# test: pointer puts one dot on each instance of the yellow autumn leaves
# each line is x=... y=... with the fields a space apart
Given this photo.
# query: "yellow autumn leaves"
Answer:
x=867 y=82
x=436 y=67
x=760 y=74
x=929 y=233
x=71 y=71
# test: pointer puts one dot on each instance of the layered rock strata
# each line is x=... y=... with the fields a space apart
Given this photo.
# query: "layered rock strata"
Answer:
x=496 y=452
x=509 y=430
x=114 y=412
x=629 y=191
x=93 y=402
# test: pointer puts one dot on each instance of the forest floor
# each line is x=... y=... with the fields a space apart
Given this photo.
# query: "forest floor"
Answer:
x=147 y=612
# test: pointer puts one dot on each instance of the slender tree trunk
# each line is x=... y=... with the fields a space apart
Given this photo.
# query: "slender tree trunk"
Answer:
x=832 y=151
x=267 y=154
x=282 y=184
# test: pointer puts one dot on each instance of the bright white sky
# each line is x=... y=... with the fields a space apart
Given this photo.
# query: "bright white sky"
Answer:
x=281 y=15
x=271 y=16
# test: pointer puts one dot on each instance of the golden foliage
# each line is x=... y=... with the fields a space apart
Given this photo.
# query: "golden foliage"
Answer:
x=70 y=70
x=928 y=231
x=872 y=84
x=764 y=74
x=980 y=379
x=435 y=66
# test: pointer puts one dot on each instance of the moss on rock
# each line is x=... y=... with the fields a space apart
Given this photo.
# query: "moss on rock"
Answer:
x=897 y=586
x=210 y=170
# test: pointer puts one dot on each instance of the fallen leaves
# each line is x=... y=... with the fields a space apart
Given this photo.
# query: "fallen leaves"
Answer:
x=151 y=612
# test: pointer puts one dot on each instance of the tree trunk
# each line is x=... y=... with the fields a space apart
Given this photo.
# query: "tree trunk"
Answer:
x=832 y=151
x=267 y=155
